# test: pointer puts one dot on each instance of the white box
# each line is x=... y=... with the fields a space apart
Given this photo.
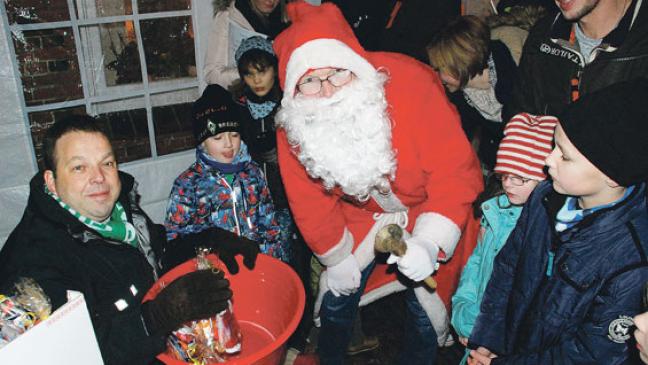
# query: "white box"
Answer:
x=66 y=337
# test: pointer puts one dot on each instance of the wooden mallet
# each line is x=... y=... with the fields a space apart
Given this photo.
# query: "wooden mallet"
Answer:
x=389 y=239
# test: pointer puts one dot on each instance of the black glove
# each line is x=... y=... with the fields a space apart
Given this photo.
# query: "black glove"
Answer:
x=228 y=245
x=225 y=243
x=194 y=296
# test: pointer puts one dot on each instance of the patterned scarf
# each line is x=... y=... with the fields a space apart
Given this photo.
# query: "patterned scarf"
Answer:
x=260 y=110
x=485 y=100
x=570 y=214
x=116 y=228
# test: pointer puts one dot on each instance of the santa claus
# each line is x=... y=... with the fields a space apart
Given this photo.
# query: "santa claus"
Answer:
x=368 y=139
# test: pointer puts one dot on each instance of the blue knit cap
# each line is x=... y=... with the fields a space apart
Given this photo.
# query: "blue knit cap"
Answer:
x=255 y=42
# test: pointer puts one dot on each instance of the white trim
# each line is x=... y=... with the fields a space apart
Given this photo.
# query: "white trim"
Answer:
x=339 y=251
x=437 y=313
x=321 y=53
x=381 y=292
x=437 y=229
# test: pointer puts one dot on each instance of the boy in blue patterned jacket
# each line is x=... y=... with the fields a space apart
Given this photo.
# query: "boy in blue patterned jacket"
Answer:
x=224 y=188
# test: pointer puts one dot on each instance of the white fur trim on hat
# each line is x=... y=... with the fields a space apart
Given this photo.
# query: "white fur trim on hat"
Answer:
x=322 y=53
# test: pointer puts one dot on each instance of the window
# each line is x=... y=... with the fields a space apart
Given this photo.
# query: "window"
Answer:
x=131 y=62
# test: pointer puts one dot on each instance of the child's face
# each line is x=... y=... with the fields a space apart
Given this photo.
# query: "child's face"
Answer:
x=573 y=174
x=223 y=147
x=517 y=188
x=260 y=82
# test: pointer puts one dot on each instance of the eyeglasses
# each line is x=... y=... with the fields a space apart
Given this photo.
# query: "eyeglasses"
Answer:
x=313 y=84
x=515 y=180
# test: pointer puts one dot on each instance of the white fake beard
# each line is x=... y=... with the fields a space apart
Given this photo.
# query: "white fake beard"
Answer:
x=344 y=140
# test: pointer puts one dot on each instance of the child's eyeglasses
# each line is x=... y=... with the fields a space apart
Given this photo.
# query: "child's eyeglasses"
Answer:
x=515 y=180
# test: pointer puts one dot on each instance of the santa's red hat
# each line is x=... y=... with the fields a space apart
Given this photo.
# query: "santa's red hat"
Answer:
x=318 y=37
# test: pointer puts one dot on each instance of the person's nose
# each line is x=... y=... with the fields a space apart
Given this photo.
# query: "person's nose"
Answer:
x=97 y=175
x=327 y=89
x=549 y=161
x=228 y=141
x=257 y=79
x=507 y=182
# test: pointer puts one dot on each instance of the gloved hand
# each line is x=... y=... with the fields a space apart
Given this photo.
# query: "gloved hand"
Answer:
x=419 y=260
x=344 y=278
x=197 y=295
x=228 y=245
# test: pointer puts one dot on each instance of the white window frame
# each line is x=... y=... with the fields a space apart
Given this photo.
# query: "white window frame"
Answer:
x=121 y=97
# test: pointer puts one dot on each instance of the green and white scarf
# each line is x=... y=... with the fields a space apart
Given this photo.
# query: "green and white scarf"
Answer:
x=116 y=228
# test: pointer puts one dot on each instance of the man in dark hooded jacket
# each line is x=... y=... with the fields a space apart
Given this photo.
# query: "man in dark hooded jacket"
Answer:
x=83 y=230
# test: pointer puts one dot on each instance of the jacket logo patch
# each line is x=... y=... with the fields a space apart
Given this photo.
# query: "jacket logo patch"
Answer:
x=560 y=52
x=619 y=329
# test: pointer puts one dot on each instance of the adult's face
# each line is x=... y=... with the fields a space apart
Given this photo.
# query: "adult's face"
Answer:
x=264 y=7
x=575 y=10
x=86 y=176
x=324 y=82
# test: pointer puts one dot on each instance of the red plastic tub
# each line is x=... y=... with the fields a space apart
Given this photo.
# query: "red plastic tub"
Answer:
x=268 y=303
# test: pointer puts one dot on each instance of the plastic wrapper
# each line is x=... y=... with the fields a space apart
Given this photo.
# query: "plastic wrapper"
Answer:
x=209 y=340
x=18 y=313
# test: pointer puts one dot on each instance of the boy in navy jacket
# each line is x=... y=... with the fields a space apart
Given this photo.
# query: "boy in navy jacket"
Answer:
x=568 y=281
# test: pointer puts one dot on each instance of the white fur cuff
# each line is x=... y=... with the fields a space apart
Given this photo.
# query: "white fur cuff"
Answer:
x=437 y=229
x=339 y=251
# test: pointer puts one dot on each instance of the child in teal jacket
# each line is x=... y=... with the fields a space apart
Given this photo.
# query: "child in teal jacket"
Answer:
x=519 y=168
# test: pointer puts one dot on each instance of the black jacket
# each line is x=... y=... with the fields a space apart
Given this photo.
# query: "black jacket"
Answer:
x=61 y=253
x=261 y=138
x=549 y=62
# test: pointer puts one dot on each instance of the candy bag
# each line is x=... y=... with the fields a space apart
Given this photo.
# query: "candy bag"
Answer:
x=210 y=340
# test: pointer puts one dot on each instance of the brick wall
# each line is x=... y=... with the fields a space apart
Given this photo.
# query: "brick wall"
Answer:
x=48 y=64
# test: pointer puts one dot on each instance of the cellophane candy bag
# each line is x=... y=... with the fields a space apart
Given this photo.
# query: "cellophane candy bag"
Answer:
x=18 y=313
x=209 y=340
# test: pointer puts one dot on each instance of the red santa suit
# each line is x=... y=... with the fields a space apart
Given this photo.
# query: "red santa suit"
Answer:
x=437 y=174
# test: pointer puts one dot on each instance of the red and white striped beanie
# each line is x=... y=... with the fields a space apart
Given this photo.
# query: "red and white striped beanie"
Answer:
x=526 y=144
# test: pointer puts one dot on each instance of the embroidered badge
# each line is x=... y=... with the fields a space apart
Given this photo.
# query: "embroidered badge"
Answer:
x=619 y=329
x=211 y=126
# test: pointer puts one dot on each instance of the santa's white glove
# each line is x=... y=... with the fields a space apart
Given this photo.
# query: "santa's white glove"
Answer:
x=419 y=261
x=344 y=278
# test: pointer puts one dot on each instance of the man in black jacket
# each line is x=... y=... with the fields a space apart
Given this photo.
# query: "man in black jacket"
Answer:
x=83 y=230
x=587 y=46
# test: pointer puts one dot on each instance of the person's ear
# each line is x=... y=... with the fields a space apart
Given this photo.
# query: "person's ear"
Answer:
x=50 y=181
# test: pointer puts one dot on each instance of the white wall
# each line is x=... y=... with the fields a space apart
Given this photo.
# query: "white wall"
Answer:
x=17 y=167
x=16 y=161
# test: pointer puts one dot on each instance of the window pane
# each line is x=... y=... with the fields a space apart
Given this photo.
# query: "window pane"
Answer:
x=37 y=11
x=169 y=48
x=151 y=6
x=127 y=127
x=111 y=56
x=39 y=122
x=99 y=8
x=49 y=67
x=173 y=130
